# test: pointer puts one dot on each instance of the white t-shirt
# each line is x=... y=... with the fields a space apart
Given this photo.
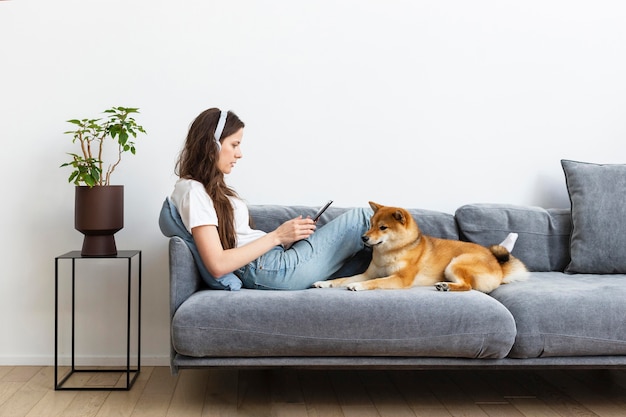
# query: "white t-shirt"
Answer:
x=196 y=209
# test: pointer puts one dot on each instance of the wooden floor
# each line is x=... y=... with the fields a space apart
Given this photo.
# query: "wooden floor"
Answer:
x=28 y=391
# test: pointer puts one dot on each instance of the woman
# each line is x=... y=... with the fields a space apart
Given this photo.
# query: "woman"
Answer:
x=291 y=257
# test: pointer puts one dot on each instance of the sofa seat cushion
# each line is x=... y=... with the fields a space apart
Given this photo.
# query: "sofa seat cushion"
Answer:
x=336 y=322
x=563 y=315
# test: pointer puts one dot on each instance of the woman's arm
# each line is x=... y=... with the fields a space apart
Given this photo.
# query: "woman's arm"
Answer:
x=219 y=261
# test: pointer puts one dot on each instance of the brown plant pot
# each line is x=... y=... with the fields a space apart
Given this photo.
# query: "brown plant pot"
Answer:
x=99 y=214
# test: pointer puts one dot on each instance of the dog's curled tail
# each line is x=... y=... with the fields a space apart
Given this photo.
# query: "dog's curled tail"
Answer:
x=501 y=253
x=512 y=268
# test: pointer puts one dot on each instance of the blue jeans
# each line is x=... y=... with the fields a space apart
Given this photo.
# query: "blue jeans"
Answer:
x=314 y=259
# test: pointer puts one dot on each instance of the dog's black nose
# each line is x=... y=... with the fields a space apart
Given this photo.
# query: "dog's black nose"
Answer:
x=365 y=238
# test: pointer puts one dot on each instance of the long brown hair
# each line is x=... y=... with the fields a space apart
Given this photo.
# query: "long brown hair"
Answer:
x=198 y=161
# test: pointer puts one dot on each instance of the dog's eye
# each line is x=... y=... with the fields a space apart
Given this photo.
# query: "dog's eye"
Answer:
x=383 y=227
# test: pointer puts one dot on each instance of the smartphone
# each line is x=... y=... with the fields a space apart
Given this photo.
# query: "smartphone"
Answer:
x=322 y=210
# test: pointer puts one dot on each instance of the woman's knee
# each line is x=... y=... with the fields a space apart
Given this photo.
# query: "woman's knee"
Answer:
x=361 y=214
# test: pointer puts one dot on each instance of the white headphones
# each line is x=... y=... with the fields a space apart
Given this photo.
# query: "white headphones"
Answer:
x=220 y=128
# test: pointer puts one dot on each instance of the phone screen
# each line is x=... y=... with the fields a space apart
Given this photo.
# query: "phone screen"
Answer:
x=322 y=210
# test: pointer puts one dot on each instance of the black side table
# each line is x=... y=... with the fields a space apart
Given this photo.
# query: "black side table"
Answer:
x=129 y=370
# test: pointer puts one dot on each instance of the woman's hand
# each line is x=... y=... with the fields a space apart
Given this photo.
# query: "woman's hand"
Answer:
x=219 y=261
x=295 y=229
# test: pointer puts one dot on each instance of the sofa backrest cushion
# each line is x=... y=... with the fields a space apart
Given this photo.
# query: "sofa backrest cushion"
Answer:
x=543 y=242
x=269 y=217
x=172 y=225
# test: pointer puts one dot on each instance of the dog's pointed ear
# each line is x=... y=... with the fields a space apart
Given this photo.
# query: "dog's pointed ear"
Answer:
x=375 y=206
x=399 y=216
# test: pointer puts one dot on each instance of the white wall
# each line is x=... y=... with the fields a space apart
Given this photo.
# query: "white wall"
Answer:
x=429 y=104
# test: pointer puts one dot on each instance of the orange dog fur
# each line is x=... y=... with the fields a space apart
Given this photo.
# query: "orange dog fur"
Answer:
x=403 y=257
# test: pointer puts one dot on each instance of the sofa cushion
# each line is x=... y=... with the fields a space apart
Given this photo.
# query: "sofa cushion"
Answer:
x=597 y=192
x=269 y=217
x=543 y=242
x=335 y=322
x=172 y=225
x=563 y=315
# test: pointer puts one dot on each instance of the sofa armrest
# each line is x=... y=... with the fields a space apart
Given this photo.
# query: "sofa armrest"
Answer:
x=184 y=276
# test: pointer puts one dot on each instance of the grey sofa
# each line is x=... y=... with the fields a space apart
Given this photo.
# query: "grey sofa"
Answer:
x=557 y=318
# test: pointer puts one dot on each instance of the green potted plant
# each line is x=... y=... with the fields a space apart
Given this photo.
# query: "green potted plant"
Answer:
x=99 y=206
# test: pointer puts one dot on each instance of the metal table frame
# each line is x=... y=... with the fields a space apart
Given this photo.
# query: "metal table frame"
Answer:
x=128 y=370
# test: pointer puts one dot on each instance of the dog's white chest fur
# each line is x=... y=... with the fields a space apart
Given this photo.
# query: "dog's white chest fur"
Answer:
x=386 y=265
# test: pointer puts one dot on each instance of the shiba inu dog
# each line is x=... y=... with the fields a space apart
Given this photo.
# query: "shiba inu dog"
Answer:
x=403 y=257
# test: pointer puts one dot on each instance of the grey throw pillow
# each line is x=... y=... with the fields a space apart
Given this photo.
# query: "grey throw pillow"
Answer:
x=597 y=194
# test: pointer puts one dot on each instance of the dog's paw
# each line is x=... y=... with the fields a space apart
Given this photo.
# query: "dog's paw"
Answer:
x=322 y=284
x=357 y=286
x=442 y=286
